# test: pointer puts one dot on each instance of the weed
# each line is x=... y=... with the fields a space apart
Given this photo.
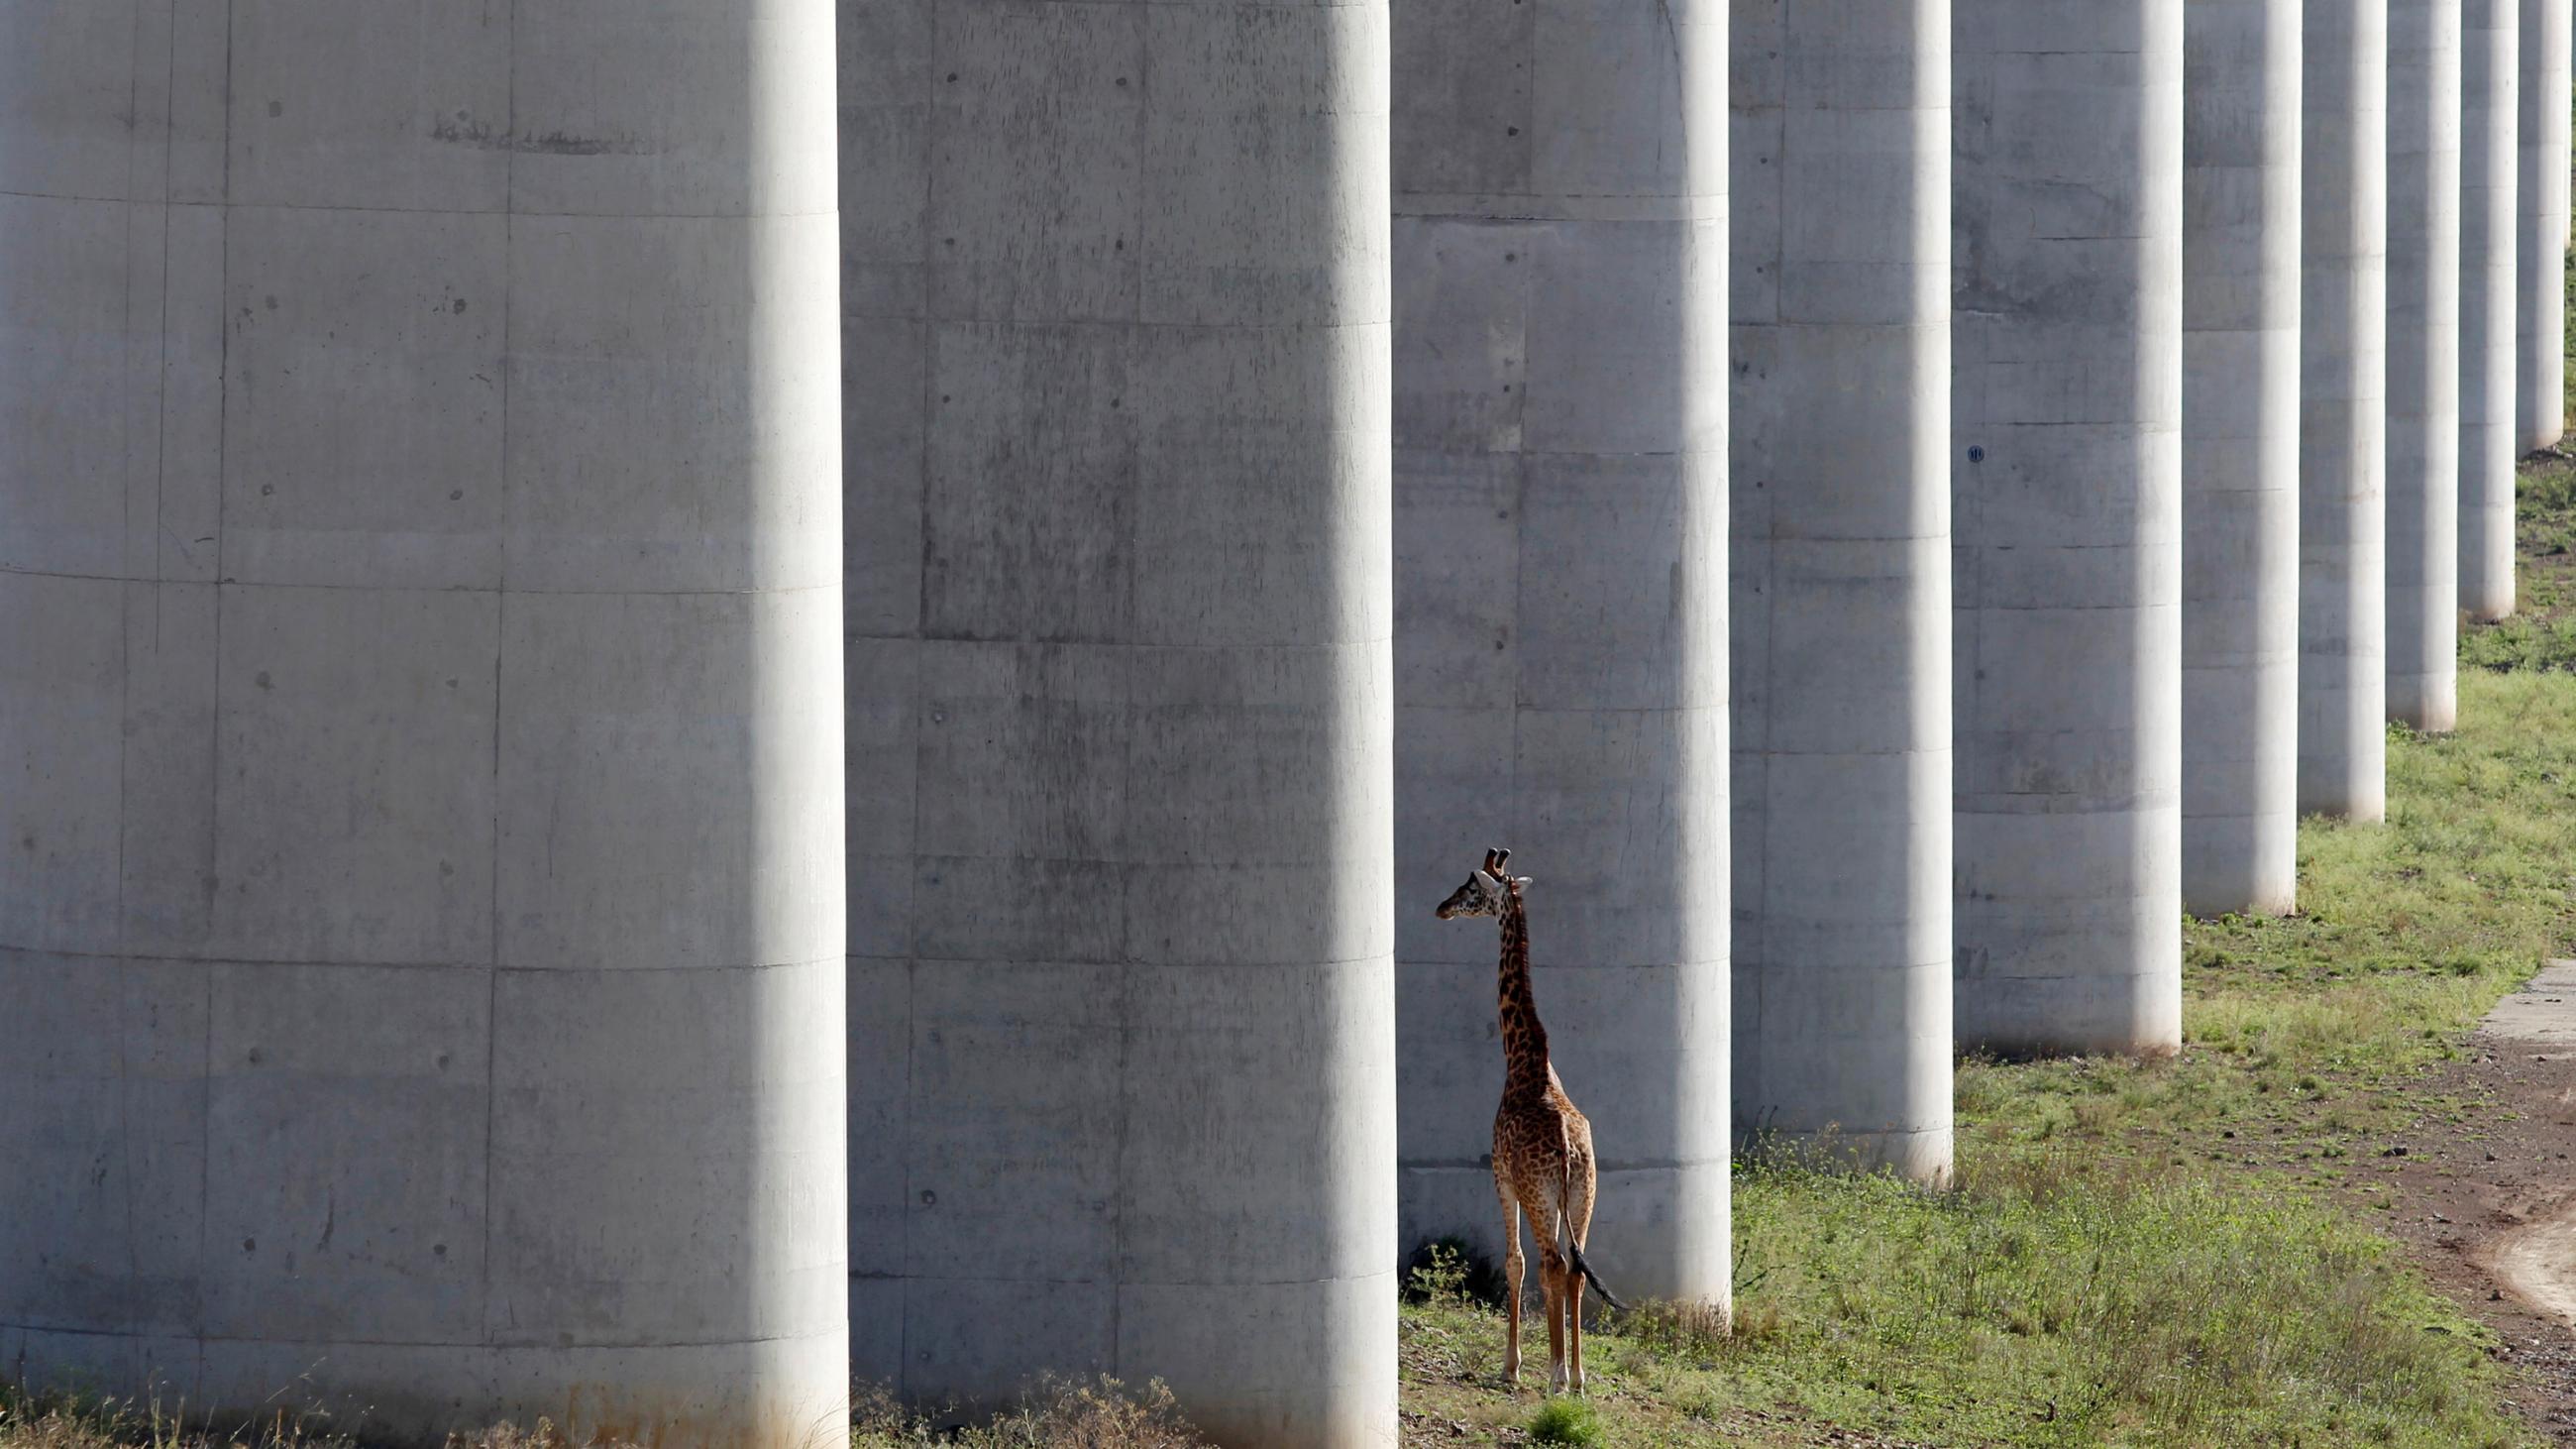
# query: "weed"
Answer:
x=1448 y=1270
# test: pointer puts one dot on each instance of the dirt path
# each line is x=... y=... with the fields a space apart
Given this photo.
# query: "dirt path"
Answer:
x=2489 y=1204
x=2535 y=1263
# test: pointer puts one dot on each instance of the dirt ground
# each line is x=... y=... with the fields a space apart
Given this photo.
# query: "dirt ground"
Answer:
x=2488 y=1206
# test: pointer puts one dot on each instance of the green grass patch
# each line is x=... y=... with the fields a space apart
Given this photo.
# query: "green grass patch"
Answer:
x=2541 y=635
x=2045 y=1301
x=2052 y=1299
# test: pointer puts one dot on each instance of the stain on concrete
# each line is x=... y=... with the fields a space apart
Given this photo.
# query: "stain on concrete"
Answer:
x=551 y=143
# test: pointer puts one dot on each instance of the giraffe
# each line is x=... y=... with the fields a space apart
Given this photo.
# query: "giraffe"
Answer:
x=1543 y=1165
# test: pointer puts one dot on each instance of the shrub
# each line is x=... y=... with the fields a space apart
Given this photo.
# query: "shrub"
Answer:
x=1565 y=1421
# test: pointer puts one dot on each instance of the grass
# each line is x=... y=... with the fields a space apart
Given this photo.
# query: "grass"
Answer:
x=2045 y=1302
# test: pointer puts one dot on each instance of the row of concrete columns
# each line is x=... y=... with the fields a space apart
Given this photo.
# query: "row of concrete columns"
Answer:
x=476 y=941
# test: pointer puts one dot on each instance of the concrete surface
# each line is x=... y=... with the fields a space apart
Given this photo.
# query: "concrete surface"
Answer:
x=1841 y=595
x=2423 y=362
x=2544 y=1012
x=421 y=929
x=1116 y=407
x=2343 y=444
x=2067 y=491
x=1560 y=562
x=2541 y=198
x=2240 y=455
x=2490 y=431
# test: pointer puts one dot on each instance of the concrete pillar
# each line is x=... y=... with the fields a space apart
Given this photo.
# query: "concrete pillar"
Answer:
x=2490 y=430
x=1841 y=552
x=1122 y=1042
x=2423 y=361
x=2343 y=447
x=2240 y=451
x=2067 y=489
x=1560 y=507
x=2541 y=196
x=420 y=943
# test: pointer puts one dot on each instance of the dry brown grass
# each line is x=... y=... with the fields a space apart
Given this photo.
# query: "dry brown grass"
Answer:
x=1058 y=1414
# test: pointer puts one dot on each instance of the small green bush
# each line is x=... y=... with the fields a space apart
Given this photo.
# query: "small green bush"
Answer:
x=1565 y=1421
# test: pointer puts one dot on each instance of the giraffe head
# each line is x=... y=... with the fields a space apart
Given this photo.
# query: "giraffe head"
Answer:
x=1483 y=893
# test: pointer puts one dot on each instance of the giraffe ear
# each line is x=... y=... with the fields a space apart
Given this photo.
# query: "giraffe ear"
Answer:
x=1522 y=881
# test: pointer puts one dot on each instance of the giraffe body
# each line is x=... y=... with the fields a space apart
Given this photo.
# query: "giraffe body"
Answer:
x=1543 y=1163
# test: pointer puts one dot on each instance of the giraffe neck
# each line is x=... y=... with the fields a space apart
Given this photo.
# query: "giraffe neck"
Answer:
x=1525 y=1068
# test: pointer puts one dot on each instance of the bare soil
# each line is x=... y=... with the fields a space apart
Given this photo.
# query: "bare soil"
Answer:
x=2488 y=1206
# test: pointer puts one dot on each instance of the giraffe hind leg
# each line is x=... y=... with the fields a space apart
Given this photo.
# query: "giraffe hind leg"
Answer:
x=1541 y=1211
x=1551 y=1280
x=1580 y=1184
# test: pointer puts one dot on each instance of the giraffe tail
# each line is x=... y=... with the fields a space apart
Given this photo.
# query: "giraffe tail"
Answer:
x=1574 y=1255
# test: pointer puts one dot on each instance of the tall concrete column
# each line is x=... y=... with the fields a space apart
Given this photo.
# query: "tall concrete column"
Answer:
x=1560 y=516
x=1841 y=552
x=1122 y=1043
x=2343 y=446
x=420 y=943
x=2240 y=452
x=2423 y=361
x=2541 y=196
x=2067 y=488
x=2490 y=427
